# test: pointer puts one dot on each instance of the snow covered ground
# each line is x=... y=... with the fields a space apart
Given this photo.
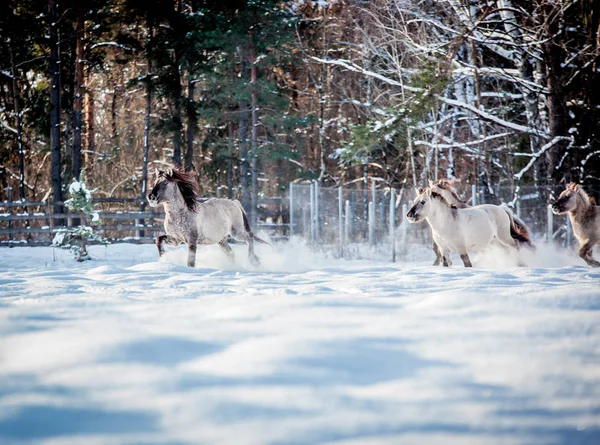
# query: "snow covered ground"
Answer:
x=126 y=349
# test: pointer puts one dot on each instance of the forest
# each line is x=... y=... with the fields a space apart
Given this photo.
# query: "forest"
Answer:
x=253 y=95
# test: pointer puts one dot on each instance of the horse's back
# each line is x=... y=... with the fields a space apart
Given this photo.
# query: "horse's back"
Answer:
x=482 y=215
x=218 y=218
x=479 y=225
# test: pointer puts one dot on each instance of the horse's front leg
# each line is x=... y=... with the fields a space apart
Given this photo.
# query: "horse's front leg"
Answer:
x=160 y=243
x=192 y=246
x=465 y=259
x=585 y=252
x=438 y=255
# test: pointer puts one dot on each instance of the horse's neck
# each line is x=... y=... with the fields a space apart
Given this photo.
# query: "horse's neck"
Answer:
x=175 y=205
x=583 y=207
x=440 y=213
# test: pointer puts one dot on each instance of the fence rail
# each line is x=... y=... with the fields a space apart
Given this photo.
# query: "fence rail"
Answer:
x=342 y=220
x=22 y=225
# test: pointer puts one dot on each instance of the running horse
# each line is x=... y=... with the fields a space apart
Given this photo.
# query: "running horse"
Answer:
x=193 y=222
x=585 y=218
x=462 y=230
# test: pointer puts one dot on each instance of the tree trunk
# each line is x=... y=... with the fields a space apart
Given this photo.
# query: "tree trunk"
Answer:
x=192 y=124
x=254 y=136
x=147 y=116
x=55 y=110
x=230 y=162
x=177 y=122
x=557 y=109
x=90 y=128
x=177 y=91
x=79 y=93
x=321 y=89
x=20 y=146
x=244 y=164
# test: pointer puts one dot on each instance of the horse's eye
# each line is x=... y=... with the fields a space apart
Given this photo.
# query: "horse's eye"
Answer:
x=423 y=202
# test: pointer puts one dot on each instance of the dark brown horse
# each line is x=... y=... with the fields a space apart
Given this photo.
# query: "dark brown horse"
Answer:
x=585 y=218
x=193 y=222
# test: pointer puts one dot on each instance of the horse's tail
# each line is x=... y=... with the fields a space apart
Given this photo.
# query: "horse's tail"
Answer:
x=247 y=225
x=518 y=229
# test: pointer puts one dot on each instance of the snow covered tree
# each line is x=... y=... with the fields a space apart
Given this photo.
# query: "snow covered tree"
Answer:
x=76 y=239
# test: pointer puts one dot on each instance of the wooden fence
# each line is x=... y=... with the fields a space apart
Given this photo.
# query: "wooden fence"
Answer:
x=34 y=223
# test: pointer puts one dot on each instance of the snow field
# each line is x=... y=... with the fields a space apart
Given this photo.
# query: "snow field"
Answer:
x=127 y=349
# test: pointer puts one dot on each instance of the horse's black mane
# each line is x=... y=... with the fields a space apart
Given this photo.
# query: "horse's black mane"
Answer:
x=186 y=181
x=446 y=185
x=444 y=201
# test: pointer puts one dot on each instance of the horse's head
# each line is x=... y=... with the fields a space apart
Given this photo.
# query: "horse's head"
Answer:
x=163 y=188
x=445 y=187
x=567 y=200
x=421 y=206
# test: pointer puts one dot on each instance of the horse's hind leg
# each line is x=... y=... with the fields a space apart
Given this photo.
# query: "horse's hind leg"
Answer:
x=225 y=247
x=507 y=241
x=585 y=252
x=251 y=255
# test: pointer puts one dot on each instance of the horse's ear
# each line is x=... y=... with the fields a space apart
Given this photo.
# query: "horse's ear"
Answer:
x=169 y=172
x=431 y=183
x=156 y=172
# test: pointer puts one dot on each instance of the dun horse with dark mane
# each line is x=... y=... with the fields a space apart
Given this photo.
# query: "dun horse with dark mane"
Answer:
x=193 y=222
x=518 y=229
x=585 y=217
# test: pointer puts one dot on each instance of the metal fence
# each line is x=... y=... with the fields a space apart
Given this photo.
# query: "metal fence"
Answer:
x=346 y=220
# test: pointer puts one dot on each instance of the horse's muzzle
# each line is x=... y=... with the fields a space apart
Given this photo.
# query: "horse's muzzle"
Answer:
x=412 y=218
x=152 y=200
x=556 y=209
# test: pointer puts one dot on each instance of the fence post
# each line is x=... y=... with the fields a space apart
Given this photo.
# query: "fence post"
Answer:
x=404 y=227
x=348 y=226
x=550 y=223
x=317 y=212
x=381 y=217
x=370 y=224
x=474 y=195
x=569 y=231
x=312 y=212
x=10 y=213
x=341 y=220
x=374 y=210
x=291 y=209
x=392 y=223
x=373 y=194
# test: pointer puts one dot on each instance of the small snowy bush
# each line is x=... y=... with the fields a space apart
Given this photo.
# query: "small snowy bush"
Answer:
x=76 y=239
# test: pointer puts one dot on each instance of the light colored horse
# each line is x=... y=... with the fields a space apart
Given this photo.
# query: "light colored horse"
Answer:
x=585 y=218
x=193 y=222
x=461 y=230
x=518 y=231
